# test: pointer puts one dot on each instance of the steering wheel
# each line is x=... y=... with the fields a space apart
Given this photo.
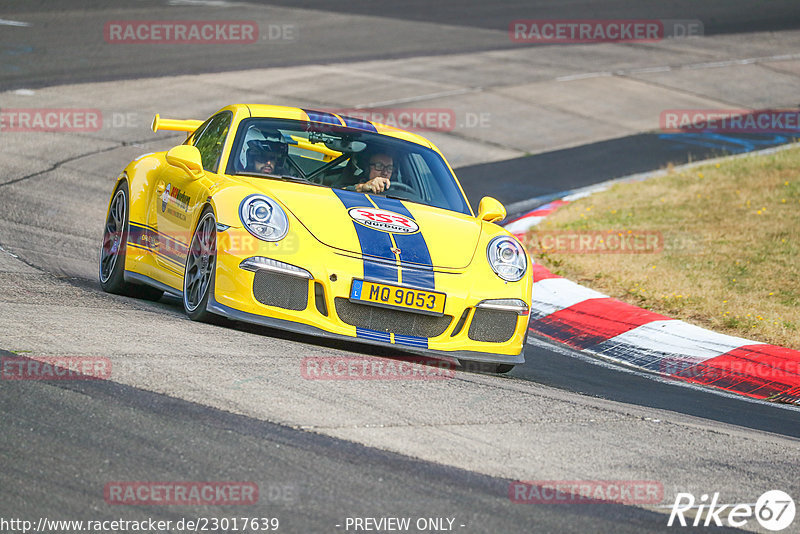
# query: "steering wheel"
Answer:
x=399 y=186
x=403 y=191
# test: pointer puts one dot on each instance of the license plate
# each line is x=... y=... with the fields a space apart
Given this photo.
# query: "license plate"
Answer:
x=404 y=298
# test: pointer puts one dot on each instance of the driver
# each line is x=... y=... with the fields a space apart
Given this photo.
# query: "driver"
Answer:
x=377 y=180
x=264 y=157
x=261 y=161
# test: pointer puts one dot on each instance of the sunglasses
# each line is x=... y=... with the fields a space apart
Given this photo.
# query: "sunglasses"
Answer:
x=380 y=167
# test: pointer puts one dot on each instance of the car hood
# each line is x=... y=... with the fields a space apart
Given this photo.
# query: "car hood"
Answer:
x=362 y=224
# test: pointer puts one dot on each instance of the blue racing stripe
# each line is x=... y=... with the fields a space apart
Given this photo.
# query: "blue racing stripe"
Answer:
x=412 y=246
x=373 y=242
x=141 y=236
x=361 y=124
x=178 y=245
x=321 y=116
x=374 y=335
x=412 y=341
x=148 y=249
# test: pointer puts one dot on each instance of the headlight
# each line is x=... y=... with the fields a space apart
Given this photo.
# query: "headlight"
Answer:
x=507 y=258
x=264 y=218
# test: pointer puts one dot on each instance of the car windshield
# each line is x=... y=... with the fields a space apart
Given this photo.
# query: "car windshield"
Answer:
x=340 y=157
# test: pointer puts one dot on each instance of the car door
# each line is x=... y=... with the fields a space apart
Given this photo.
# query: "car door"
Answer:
x=180 y=195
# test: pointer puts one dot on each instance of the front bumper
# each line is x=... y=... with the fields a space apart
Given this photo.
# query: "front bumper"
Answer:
x=300 y=328
x=319 y=303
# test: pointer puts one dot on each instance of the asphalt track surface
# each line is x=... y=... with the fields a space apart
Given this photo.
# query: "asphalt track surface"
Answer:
x=61 y=441
x=563 y=368
x=545 y=175
x=70 y=47
x=83 y=434
x=718 y=16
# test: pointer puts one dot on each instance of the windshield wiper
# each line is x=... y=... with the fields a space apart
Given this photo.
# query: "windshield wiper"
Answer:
x=282 y=177
x=406 y=199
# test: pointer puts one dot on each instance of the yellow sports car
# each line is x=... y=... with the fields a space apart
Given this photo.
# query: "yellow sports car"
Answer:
x=321 y=224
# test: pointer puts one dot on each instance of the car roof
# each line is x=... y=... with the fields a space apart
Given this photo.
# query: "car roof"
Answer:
x=330 y=117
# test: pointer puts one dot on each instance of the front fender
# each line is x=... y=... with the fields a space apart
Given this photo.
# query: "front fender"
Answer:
x=139 y=174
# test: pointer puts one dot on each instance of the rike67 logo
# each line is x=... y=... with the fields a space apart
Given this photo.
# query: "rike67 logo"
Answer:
x=774 y=511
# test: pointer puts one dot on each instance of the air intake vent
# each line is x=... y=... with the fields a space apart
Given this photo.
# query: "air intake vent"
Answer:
x=460 y=325
x=280 y=290
x=492 y=326
x=395 y=321
x=319 y=299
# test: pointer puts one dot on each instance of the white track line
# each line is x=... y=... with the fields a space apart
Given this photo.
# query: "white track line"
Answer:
x=614 y=365
x=555 y=294
x=4 y=22
x=202 y=3
x=429 y=96
x=691 y=66
x=674 y=337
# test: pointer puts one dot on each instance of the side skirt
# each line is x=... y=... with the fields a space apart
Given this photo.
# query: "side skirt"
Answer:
x=146 y=280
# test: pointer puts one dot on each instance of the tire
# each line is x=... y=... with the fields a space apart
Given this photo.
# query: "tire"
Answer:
x=201 y=262
x=114 y=249
x=482 y=367
x=502 y=369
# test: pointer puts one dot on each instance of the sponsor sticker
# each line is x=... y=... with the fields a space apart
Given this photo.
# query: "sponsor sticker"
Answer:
x=174 y=195
x=384 y=220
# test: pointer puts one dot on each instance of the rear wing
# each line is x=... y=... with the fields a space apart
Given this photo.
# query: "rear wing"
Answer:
x=176 y=125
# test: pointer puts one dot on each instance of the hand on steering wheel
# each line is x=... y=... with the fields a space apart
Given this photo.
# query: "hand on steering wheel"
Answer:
x=378 y=184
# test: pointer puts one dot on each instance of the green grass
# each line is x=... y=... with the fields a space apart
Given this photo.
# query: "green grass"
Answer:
x=731 y=248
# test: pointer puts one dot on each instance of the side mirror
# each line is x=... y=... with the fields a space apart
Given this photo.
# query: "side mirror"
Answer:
x=490 y=210
x=187 y=157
